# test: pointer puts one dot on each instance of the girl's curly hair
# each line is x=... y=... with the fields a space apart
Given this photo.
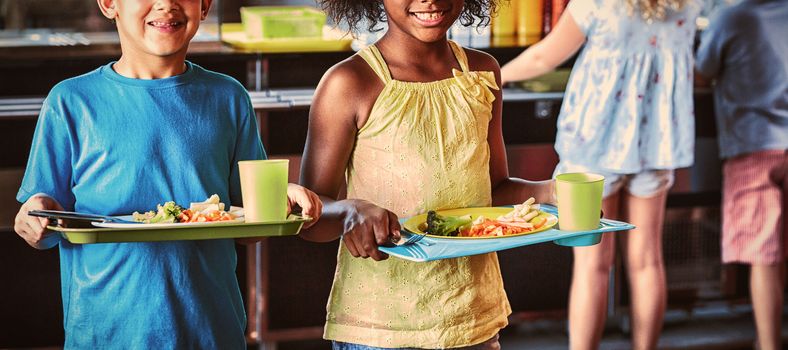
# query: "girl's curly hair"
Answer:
x=353 y=12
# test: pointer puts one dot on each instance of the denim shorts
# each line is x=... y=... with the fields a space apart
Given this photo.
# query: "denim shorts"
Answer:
x=336 y=345
x=644 y=184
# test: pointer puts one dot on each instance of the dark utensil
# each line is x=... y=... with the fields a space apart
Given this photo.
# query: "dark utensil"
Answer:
x=70 y=215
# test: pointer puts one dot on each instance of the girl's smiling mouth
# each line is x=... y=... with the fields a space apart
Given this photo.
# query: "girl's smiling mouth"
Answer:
x=429 y=18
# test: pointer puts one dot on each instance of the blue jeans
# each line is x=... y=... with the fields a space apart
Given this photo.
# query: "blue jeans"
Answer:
x=491 y=344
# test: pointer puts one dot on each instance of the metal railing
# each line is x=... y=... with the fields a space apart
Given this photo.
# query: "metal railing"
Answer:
x=262 y=101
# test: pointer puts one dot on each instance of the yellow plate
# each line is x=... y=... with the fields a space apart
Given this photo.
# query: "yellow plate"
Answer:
x=233 y=34
x=417 y=224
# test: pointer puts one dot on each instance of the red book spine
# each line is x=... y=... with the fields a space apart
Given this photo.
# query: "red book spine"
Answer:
x=547 y=15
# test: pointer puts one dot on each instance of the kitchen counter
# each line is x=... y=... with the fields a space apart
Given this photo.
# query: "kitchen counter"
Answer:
x=35 y=69
x=281 y=86
x=269 y=100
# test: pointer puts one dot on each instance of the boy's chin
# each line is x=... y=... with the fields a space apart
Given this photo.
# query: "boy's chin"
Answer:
x=165 y=48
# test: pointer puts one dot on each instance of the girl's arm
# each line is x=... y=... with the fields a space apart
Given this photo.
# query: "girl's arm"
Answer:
x=558 y=46
x=345 y=92
x=506 y=190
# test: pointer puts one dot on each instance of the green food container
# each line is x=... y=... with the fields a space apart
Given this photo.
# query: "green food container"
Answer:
x=554 y=81
x=282 y=22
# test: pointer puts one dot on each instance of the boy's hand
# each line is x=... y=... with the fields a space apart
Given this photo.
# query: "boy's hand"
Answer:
x=368 y=226
x=310 y=203
x=31 y=228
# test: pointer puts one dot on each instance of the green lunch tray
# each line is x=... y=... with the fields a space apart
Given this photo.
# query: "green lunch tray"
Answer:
x=151 y=233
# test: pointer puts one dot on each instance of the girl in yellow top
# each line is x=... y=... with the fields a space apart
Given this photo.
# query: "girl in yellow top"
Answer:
x=409 y=124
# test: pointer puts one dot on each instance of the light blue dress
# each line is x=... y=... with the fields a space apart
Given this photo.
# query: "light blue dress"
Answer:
x=628 y=103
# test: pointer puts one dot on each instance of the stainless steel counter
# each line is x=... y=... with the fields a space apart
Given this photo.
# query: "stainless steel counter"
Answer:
x=262 y=101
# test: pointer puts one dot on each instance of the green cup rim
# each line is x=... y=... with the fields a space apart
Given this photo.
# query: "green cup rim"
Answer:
x=591 y=177
x=264 y=160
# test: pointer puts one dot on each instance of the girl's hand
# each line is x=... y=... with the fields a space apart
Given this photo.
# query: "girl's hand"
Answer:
x=366 y=226
x=33 y=229
x=308 y=201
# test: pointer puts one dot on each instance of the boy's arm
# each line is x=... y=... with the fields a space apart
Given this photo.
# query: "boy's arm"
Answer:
x=33 y=229
x=710 y=54
x=557 y=47
x=248 y=145
x=48 y=177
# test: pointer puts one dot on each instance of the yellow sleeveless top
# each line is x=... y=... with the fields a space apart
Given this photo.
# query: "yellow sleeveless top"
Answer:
x=423 y=147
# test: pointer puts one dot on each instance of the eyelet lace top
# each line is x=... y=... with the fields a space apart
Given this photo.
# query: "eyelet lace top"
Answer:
x=424 y=146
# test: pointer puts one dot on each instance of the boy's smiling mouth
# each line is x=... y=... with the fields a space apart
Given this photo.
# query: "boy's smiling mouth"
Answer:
x=166 y=25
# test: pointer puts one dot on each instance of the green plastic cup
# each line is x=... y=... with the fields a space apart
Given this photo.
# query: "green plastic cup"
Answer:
x=579 y=204
x=264 y=189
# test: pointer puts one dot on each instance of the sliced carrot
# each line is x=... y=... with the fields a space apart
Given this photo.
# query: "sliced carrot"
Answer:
x=539 y=222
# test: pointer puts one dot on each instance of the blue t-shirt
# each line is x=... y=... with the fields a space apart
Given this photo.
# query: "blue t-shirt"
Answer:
x=745 y=49
x=113 y=145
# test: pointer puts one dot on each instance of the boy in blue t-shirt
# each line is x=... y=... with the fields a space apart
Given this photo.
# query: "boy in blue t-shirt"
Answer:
x=134 y=133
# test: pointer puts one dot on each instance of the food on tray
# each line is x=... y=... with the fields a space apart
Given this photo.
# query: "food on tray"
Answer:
x=208 y=211
x=523 y=218
x=166 y=213
x=440 y=225
x=524 y=215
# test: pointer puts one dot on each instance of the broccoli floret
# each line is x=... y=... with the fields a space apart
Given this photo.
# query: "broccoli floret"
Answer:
x=440 y=225
x=169 y=212
x=172 y=209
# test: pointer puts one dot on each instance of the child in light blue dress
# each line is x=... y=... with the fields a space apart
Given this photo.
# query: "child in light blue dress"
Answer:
x=627 y=115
